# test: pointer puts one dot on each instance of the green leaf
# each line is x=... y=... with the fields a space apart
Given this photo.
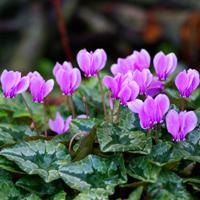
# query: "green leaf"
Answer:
x=128 y=120
x=166 y=153
x=82 y=125
x=194 y=182
x=7 y=188
x=115 y=139
x=59 y=196
x=21 y=113
x=9 y=165
x=11 y=134
x=31 y=197
x=35 y=184
x=140 y=168
x=91 y=195
x=94 y=172
x=136 y=194
x=38 y=157
x=168 y=186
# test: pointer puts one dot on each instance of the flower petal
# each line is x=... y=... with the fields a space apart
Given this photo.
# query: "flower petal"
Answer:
x=57 y=125
x=172 y=122
x=67 y=123
x=84 y=61
x=190 y=122
x=135 y=105
x=22 y=85
x=181 y=82
x=48 y=87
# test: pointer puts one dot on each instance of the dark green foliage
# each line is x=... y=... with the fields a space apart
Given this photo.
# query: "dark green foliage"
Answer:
x=111 y=161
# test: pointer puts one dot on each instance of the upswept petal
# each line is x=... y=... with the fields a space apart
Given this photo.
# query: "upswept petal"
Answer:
x=163 y=103
x=78 y=78
x=124 y=95
x=172 y=63
x=57 y=125
x=48 y=87
x=111 y=84
x=9 y=79
x=99 y=59
x=67 y=124
x=181 y=81
x=84 y=61
x=190 y=119
x=22 y=86
x=172 y=122
x=135 y=105
x=159 y=63
x=134 y=90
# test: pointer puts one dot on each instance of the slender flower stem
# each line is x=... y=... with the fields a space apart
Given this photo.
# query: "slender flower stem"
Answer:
x=149 y=133
x=30 y=112
x=45 y=125
x=102 y=98
x=72 y=107
x=69 y=104
x=182 y=104
x=86 y=105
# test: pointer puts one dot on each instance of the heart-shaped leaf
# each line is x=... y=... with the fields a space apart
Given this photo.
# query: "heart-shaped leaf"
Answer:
x=140 y=168
x=114 y=139
x=38 y=157
x=93 y=172
x=168 y=186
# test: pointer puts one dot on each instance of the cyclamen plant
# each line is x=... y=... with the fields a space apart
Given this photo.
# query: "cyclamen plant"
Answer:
x=142 y=141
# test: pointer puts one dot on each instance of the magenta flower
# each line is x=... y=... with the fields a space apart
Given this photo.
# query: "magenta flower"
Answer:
x=180 y=124
x=122 y=87
x=151 y=111
x=114 y=84
x=91 y=62
x=59 y=125
x=128 y=92
x=30 y=75
x=12 y=83
x=40 y=88
x=187 y=82
x=154 y=88
x=136 y=61
x=143 y=79
x=164 y=64
x=65 y=66
x=67 y=77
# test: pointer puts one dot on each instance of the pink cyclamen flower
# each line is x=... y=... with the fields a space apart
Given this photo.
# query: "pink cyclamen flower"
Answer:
x=30 y=75
x=122 y=88
x=67 y=77
x=143 y=79
x=164 y=65
x=12 y=83
x=40 y=88
x=187 y=82
x=151 y=111
x=180 y=124
x=155 y=88
x=138 y=60
x=59 y=125
x=91 y=62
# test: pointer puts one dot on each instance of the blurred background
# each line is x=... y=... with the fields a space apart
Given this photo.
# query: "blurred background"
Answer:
x=34 y=34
